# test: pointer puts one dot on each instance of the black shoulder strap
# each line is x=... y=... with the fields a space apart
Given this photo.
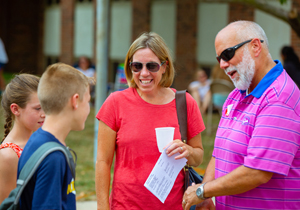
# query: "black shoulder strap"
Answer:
x=180 y=98
x=35 y=160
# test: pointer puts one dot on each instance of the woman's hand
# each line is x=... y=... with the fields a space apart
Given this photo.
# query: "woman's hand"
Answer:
x=208 y=204
x=192 y=150
x=177 y=146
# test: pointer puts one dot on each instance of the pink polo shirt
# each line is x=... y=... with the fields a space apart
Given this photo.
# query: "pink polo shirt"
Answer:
x=262 y=131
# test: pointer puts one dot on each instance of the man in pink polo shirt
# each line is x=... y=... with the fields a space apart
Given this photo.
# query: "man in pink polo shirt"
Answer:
x=256 y=158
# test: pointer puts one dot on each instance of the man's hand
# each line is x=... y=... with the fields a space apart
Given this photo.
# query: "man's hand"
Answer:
x=190 y=198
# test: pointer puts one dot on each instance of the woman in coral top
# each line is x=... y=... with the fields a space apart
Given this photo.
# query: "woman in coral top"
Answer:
x=22 y=110
x=127 y=122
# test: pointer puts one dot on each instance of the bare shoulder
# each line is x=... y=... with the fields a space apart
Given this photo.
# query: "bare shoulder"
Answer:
x=8 y=159
x=8 y=171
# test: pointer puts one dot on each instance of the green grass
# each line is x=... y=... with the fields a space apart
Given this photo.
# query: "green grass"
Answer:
x=208 y=140
x=82 y=142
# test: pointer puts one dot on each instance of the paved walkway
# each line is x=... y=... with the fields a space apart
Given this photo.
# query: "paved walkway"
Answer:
x=92 y=205
x=86 y=205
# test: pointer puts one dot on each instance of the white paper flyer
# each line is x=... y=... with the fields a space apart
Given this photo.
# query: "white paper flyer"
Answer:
x=163 y=175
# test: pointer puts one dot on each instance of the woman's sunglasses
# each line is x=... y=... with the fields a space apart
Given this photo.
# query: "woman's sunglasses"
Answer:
x=151 y=66
x=228 y=53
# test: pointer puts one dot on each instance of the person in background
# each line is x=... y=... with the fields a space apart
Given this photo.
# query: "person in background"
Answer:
x=218 y=76
x=200 y=90
x=291 y=63
x=23 y=115
x=256 y=157
x=127 y=122
x=85 y=66
x=3 y=61
x=218 y=73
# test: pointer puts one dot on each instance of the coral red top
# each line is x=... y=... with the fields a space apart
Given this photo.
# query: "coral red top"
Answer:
x=134 y=121
x=15 y=147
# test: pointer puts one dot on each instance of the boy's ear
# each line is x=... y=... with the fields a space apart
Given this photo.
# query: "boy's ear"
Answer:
x=15 y=109
x=74 y=101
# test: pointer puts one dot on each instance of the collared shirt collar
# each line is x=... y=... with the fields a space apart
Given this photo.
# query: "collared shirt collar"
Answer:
x=268 y=79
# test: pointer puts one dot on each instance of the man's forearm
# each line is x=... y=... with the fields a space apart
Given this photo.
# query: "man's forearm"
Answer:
x=240 y=180
x=210 y=171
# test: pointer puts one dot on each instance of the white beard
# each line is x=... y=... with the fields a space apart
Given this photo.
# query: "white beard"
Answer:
x=245 y=71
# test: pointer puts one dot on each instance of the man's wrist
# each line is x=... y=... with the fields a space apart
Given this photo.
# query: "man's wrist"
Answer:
x=200 y=192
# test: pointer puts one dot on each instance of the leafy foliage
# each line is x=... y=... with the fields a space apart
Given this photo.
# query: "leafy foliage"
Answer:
x=282 y=1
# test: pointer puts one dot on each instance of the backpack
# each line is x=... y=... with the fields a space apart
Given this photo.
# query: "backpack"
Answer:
x=12 y=201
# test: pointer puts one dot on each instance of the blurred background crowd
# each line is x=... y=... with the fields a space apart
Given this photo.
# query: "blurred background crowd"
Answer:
x=38 y=33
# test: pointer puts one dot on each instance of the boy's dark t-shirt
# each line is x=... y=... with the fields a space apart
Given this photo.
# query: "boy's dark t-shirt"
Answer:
x=52 y=185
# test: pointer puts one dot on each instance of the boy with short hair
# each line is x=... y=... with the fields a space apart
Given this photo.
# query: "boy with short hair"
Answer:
x=64 y=95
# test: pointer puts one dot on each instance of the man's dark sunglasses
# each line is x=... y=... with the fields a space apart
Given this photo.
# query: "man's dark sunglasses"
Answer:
x=151 y=66
x=228 y=53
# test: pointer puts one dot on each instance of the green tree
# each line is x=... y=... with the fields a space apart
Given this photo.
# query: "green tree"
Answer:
x=291 y=17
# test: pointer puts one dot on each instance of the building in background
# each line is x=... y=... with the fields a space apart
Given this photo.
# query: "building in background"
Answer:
x=37 y=33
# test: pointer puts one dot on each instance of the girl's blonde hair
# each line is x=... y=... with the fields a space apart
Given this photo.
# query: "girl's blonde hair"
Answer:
x=17 y=91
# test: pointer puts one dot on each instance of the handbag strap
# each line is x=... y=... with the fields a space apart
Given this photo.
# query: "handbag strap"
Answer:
x=180 y=98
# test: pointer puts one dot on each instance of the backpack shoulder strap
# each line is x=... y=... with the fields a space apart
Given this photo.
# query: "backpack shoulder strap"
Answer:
x=35 y=160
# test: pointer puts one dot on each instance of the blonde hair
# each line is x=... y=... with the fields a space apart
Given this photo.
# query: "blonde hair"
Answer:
x=58 y=84
x=17 y=91
x=158 y=46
